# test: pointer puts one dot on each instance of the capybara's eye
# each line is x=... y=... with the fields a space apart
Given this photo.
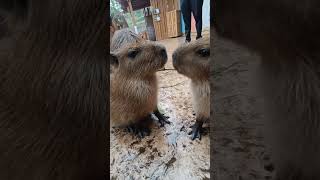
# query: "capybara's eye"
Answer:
x=204 y=52
x=133 y=53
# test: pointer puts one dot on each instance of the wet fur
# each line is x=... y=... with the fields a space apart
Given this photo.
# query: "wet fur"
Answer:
x=286 y=34
x=53 y=90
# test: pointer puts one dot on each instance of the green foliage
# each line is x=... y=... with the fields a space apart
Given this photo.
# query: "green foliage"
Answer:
x=116 y=11
x=115 y=8
x=140 y=21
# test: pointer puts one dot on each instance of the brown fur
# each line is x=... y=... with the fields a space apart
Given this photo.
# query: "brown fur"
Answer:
x=188 y=61
x=286 y=35
x=123 y=37
x=134 y=83
x=53 y=90
x=113 y=28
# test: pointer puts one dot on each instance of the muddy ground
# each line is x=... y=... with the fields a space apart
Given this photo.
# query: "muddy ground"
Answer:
x=239 y=151
x=168 y=153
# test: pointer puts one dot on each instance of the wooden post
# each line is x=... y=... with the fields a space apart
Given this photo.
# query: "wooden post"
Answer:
x=130 y=9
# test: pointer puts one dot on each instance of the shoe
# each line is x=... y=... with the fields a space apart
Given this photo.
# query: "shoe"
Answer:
x=198 y=37
x=187 y=40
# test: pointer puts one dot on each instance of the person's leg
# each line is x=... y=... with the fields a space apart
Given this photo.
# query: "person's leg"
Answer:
x=186 y=14
x=196 y=7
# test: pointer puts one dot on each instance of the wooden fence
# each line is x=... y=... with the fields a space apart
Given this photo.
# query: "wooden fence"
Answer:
x=166 y=26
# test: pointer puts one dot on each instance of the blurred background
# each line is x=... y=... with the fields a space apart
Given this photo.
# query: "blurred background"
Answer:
x=154 y=19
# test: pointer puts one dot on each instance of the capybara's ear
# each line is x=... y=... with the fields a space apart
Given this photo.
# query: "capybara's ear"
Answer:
x=114 y=61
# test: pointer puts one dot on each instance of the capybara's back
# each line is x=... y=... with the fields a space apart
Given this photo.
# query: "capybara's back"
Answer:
x=53 y=91
x=286 y=34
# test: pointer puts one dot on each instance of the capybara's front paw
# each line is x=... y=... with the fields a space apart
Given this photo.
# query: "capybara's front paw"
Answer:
x=197 y=130
x=138 y=130
x=162 y=119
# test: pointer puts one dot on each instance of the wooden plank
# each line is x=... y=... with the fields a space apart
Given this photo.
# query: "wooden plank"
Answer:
x=173 y=23
x=131 y=13
x=156 y=28
x=157 y=22
x=173 y=5
x=164 y=18
x=160 y=26
x=161 y=18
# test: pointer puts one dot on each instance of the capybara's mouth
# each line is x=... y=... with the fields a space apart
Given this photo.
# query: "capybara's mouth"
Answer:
x=163 y=62
x=161 y=66
x=175 y=64
x=179 y=71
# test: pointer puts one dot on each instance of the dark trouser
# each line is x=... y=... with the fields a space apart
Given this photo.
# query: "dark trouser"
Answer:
x=194 y=6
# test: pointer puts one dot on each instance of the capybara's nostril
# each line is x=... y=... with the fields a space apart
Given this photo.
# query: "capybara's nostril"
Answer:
x=163 y=53
x=174 y=58
x=174 y=55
